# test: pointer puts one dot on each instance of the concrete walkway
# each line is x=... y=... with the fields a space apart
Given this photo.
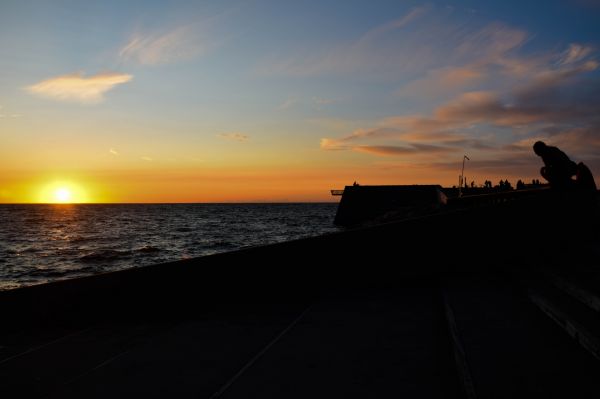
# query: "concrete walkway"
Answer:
x=369 y=344
x=393 y=341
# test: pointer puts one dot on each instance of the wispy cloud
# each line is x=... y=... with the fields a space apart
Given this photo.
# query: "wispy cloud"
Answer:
x=5 y=115
x=490 y=44
x=389 y=150
x=369 y=52
x=181 y=43
x=113 y=152
x=322 y=102
x=379 y=31
x=558 y=101
x=147 y=159
x=412 y=45
x=287 y=103
x=475 y=57
x=334 y=144
x=314 y=102
x=575 y=53
x=234 y=137
x=79 y=88
x=443 y=81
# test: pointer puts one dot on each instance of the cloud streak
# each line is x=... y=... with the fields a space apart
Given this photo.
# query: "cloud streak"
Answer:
x=472 y=58
x=575 y=52
x=79 y=88
x=390 y=150
x=287 y=104
x=443 y=81
x=2 y=115
x=370 y=52
x=420 y=41
x=179 y=44
x=233 y=137
x=558 y=101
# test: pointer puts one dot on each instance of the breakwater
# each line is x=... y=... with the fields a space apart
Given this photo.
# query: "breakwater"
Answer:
x=489 y=298
x=506 y=234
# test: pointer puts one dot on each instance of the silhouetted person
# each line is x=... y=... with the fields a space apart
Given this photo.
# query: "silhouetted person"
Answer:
x=558 y=168
x=584 y=178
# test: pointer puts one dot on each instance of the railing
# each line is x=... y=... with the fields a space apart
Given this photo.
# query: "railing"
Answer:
x=496 y=198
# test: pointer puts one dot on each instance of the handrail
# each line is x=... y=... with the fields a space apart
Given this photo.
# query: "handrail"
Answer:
x=497 y=197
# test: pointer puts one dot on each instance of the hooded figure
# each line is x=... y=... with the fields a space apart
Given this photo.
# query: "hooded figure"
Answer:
x=558 y=168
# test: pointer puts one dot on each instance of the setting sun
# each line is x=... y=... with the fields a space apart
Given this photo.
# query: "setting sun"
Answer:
x=63 y=192
x=62 y=195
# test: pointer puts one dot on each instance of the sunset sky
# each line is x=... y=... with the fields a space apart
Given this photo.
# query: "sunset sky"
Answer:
x=237 y=101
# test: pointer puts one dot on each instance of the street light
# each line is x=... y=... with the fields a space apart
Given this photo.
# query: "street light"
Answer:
x=462 y=176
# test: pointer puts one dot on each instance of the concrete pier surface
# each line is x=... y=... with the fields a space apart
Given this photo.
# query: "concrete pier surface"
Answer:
x=489 y=299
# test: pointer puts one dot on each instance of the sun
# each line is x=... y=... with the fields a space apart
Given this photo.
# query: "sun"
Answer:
x=63 y=192
x=62 y=195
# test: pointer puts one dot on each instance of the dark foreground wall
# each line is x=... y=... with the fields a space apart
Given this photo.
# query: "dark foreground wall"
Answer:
x=513 y=234
x=360 y=204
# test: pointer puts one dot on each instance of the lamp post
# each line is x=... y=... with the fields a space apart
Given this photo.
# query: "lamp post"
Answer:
x=462 y=176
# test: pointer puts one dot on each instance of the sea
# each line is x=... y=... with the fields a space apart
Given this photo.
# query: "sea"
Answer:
x=43 y=243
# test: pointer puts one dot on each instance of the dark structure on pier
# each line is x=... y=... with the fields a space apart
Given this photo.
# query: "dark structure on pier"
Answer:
x=376 y=204
x=486 y=298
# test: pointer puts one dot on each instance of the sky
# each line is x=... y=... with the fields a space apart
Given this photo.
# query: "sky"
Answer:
x=277 y=101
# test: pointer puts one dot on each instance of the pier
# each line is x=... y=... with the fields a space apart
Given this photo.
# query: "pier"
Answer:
x=497 y=296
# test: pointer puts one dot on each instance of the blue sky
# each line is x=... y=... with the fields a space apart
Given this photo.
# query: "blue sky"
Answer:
x=323 y=93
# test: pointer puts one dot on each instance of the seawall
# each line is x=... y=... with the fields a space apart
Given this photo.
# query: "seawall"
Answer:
x=511 y=234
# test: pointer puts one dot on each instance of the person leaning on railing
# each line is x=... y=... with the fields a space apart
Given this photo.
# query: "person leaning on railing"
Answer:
x=558 y=169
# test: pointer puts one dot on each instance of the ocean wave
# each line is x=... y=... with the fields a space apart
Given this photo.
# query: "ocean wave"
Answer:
x=219 y=245
x=41 y=244
x=21 y=251
x=104 y=255
x=49 y=273
x=148 y=249
x=83 y=239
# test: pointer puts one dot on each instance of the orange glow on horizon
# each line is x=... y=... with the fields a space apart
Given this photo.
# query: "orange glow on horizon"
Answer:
x=209 y=185
x=62 y=192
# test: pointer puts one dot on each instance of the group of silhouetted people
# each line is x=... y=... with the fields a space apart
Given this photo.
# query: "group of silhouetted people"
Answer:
x=559 y=170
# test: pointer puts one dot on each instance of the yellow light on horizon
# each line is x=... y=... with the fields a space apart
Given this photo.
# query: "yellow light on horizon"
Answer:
x=62 y=195
x=61 y=192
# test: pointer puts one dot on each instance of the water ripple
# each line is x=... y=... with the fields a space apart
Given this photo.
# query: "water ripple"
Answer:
x=40 y=243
